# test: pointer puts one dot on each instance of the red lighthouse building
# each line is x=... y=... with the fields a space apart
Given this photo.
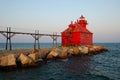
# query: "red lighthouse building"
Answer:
x=77 y=34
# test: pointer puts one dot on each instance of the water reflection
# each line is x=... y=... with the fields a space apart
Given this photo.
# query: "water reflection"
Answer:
x=78 y=65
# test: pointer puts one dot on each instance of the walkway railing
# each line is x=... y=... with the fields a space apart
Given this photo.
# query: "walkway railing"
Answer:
x=8 y=34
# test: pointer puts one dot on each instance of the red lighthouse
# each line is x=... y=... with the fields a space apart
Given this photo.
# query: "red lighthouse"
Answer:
x=77 y=34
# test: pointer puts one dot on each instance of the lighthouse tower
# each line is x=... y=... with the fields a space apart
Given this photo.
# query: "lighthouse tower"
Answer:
x=82 y=22
x=77 y=33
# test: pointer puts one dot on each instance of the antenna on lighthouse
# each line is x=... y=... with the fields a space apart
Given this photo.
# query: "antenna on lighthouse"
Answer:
x=82 y=17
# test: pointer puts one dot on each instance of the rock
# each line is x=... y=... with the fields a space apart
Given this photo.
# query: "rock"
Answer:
x=35 y=57
x=26 y=61
x=103 y=48
x=100 y=48
x=71 y=51
x=50 y=56
x=83 y=49
x=8 y=61
x=64 y=54
x=54 y=53
x=42 y=54
x=92 y=50
x=35 y=50
x=96 y=49
x=76 y=50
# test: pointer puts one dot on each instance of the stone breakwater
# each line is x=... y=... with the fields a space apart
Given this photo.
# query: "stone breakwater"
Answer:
x=36 y=57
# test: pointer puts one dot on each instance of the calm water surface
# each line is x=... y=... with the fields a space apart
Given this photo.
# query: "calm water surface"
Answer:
x=104 y=66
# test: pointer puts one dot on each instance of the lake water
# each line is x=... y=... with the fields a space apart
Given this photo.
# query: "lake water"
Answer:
x=27 y=45
x=103 y=66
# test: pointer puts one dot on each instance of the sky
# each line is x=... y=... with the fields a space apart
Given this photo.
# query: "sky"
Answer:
x=48 y=16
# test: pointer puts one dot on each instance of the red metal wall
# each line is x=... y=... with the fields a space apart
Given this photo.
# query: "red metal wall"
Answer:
x=75 y=38
x=86 y=39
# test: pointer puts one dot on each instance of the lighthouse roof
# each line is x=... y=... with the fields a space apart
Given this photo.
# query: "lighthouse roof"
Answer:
x=76 y=27
x=82 y=17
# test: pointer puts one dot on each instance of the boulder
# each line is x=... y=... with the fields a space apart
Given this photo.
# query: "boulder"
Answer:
x=54 y=53
x=34 y=57
x=50 y=56
x=64 y=54
x=104 y=49
x=8 y=61
x=42 y=54
x=99 y=48
x=26 y=61
x=71 y=51
x=76 y=50
x=83 y=49
x=92 y=50
x=96 y=48
x=35 y=50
